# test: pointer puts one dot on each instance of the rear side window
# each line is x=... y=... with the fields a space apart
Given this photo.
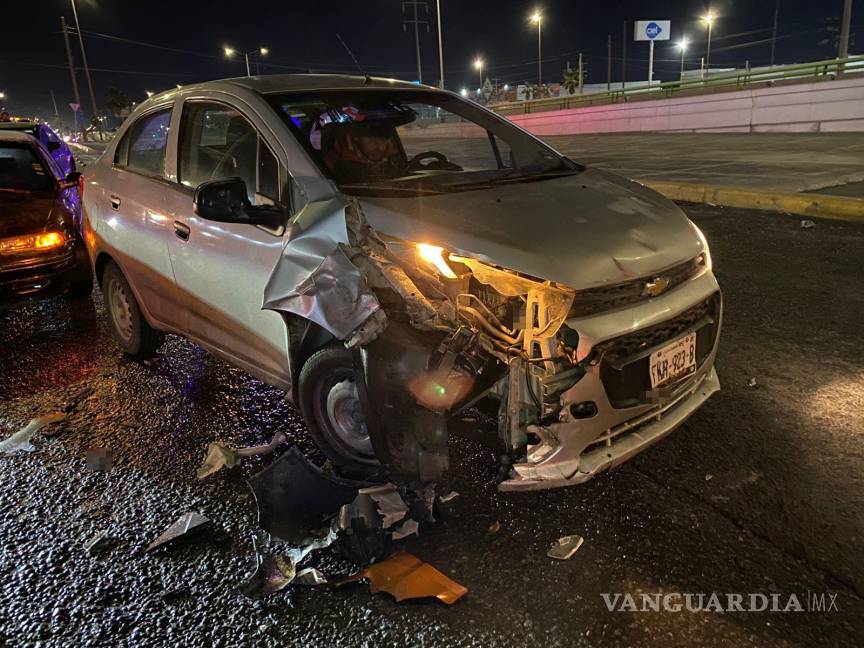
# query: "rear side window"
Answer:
x=142 y=149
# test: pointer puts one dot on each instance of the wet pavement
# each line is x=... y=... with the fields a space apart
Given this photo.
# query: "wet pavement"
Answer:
x=762 y=491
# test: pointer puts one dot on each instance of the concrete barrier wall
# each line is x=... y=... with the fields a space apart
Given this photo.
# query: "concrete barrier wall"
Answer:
x=826 y=106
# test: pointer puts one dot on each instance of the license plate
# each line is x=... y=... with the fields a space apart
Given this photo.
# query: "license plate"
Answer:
x=673 y=361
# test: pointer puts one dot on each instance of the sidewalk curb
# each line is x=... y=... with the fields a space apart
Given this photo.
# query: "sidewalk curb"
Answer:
x=803 y=204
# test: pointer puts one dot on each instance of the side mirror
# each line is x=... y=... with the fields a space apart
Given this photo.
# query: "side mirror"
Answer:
x=225 y=201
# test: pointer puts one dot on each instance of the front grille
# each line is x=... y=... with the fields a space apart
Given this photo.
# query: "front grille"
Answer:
x=624 y=363
x=598 y=300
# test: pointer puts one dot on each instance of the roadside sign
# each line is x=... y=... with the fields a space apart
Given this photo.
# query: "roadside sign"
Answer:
x=652 y=30
x=487 y=88
x=74 y=107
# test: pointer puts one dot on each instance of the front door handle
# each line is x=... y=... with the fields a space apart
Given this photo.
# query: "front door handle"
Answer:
x=115 y=202
x=181 y=230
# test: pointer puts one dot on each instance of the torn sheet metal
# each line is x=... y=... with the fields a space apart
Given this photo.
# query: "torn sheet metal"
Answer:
x=391 y=506
x=565 y=547
x=335 y=295
x=187 y=525
x=407 y=528
x=406 y=577
x=219 y=455
x=295 y=498
x=20 y=441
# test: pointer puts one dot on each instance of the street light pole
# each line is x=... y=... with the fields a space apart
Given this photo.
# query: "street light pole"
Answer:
x=538 y=18
x=478 y=65
x=709 y=20
x=682 y=45
x=261 y=51
x=440 y=46
x=774 y=32
x=845 y=28
x=248 y=70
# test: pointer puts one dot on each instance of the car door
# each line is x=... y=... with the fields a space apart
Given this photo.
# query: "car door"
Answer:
x=133 y=223
x=221 y=268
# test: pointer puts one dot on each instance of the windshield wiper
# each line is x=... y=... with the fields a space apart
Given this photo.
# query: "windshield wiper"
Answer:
x=380 y=186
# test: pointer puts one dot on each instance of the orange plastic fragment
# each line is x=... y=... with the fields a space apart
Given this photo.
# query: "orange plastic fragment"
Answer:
x=406 y=576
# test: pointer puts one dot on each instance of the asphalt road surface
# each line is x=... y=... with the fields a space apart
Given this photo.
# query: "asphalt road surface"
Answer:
x=762 y=491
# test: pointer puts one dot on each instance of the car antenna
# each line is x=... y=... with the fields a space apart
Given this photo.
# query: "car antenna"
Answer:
x=367 y=78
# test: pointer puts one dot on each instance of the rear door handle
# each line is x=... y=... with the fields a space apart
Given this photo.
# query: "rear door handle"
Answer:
x=181 y=230
x=115 y=202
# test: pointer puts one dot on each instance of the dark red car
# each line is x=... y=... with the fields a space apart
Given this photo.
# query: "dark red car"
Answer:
x=42 y=253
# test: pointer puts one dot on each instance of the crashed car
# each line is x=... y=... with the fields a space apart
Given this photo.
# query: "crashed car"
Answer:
x=42 y=253
x=389 y=254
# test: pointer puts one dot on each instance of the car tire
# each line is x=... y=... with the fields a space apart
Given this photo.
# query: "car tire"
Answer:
x=130 y=330
x=81 y=284
x=330 y=404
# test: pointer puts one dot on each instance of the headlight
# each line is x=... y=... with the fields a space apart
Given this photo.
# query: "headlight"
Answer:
x=32 y=242
x=435 y=257
x=706 y=251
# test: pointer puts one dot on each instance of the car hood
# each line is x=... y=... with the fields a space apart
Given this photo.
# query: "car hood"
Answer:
x=585 y=230
x=27 y=212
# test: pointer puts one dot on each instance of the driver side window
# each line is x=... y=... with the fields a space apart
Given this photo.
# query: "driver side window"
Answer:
x=217 y=142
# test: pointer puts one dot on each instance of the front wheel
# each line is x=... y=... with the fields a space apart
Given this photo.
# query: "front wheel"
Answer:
x=330 y=403
x=131 y=331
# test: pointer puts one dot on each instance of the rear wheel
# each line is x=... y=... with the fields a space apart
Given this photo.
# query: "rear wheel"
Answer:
x=330 y=403
x=131 y=331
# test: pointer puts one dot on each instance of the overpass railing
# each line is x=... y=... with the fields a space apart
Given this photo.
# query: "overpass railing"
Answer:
x=803 y=72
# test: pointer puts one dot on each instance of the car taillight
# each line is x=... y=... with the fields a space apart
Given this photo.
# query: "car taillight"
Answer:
x=32 y=242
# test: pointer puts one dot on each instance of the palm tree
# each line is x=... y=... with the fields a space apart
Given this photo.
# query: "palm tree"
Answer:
x=571 y=81
x=116 y=101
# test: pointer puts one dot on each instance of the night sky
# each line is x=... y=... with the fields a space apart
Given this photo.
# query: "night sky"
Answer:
x=301 y=36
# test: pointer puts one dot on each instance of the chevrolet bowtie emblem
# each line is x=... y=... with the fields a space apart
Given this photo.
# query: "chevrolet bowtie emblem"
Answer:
x=656 y=286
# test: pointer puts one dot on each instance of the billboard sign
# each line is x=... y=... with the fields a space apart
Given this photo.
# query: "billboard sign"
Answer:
x=652 y=30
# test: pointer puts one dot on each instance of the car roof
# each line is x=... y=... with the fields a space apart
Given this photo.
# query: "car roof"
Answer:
x=17 y=136
x=277 y=83
x=18 y=126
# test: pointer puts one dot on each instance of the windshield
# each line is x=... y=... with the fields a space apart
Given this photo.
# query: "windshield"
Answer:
x=407 y=142
x=22 y=170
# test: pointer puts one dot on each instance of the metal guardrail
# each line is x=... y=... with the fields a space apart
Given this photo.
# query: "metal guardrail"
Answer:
x=711 y=83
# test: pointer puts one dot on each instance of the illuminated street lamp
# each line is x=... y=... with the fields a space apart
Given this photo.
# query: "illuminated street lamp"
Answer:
x=537 y=17
x=149 y=94
x=709 y=19
x=682 y=45
x=2 y=95
x=230 y=52
x=478 y=65
x=464 y=92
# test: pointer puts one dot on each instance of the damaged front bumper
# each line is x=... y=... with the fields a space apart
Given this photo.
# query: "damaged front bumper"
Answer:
x=572 y=450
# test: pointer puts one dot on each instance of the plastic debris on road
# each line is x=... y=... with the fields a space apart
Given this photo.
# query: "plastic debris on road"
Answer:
x=20 y=441
x=807 y=224
x=405 y=576
x=311 y=577
x=495 y=527
x=220 y=455
x=272 y=575
x=295 y=498
x=187 y=525
x=752 y=383
x=565 y=547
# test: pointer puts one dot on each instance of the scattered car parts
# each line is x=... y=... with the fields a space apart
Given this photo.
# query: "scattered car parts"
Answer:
x=407 y=577
x=20 y=440
x=565 y=547
x=187 y=525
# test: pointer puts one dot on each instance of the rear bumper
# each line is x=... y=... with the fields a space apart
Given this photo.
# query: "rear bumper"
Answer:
x=572 y=451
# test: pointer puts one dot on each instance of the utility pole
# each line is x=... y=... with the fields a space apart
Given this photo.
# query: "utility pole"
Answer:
x=624 y=58
x=54 y=102
x=440 y=45
x=845 y=29
x=84 y=61
x=774 y=31
x=608 y=62
x=415 y=5
x=580 y=72
x=65 y=29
